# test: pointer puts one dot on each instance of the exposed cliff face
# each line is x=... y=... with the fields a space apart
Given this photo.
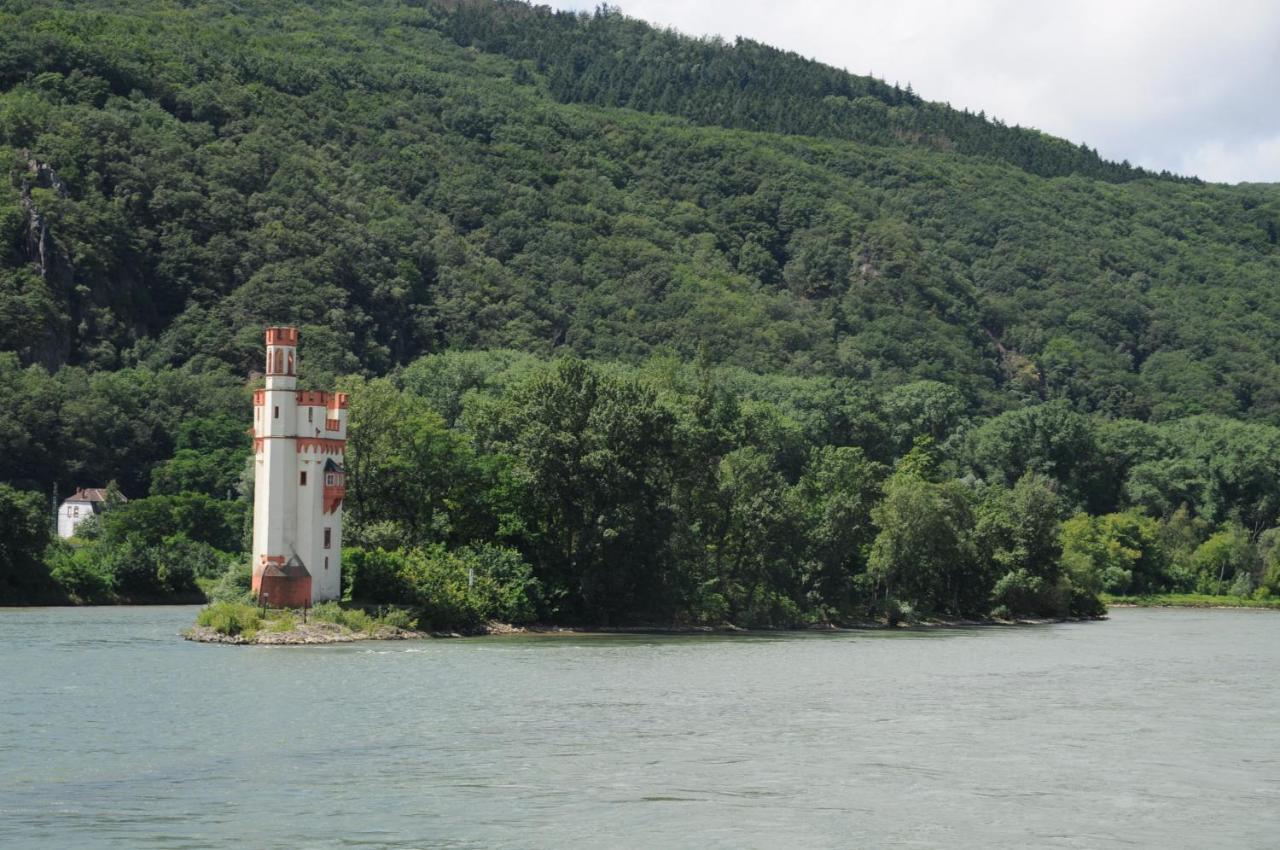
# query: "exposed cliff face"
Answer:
x=38 y=248
x=81 y=297
x=48 y=336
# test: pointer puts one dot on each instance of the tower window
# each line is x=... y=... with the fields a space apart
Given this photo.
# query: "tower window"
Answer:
x=326 y=562
x=303 y=480
x=310 y=413
x=328 y=537
x=276 y=414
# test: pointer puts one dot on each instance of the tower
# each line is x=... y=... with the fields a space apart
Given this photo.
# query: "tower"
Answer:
x=299 y=439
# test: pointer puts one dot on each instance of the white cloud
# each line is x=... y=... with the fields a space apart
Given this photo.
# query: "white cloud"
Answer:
x=1184 y=85
x=1234 y=163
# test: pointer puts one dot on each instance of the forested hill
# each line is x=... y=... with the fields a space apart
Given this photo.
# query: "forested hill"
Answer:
x=637 y=328
x=610 y=60
x=180 y=175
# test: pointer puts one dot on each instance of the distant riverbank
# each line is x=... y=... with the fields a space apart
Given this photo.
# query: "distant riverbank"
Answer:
x=1189 y=600
x=242 y=625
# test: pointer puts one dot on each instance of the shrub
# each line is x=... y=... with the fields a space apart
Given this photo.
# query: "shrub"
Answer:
x=1021 y=594
x=398 y=618
x=230 y=618
x=465 y=587
x=377 y=575
x=78 y=574
x=450 y=589
x=352 y=618
x=235 y=584
x=1220 y=561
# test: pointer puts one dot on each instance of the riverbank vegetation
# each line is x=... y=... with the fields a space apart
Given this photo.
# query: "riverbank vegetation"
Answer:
x=497 y=486
x=638 y=328
x=1193 y=600
x=241 y=622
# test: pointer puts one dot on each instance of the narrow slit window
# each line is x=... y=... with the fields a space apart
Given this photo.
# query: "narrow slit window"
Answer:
x=276 y=414
x=303 y=479
x=328 y=540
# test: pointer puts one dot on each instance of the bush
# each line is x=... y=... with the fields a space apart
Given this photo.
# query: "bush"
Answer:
x=377 y=575
x=1083 y=602
x=1220 y=561
x=78 y=574
x=450 y=589
x=234 y=585
x=398 y=618
x=352 y=618
x=772 y=610
x=229 y=618
x=1020 y=594
x=24 y=536
x=468 y=586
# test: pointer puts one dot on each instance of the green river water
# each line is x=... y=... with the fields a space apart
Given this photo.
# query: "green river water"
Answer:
x=1153 y=729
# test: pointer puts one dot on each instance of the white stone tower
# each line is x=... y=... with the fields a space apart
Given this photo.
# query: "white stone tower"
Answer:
x=299 y=438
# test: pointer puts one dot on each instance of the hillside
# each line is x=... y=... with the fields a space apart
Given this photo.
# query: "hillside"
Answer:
x=198 y=172
x=808 y=287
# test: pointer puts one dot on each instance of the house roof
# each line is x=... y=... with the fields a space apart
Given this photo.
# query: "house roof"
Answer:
x=331 y=466
x=91 y=494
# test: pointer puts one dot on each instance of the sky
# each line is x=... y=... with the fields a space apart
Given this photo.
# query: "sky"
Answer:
x=1192 y=86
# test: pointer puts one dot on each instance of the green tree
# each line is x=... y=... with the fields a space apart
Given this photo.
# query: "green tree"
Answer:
x=1118 y=553
x=1226 y=558
x=595 y=453
x=411 y=480
x=24 y=516
x=925 y=554
x=836 y=495
x=1019 y=532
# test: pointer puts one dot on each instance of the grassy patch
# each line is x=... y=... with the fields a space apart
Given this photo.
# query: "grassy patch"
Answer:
x=238 y=618
x=359 y=620
x=1192 y=600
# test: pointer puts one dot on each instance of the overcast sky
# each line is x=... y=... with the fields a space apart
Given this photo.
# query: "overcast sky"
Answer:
x=1188 y=85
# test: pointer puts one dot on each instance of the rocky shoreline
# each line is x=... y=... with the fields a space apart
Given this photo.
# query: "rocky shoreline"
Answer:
x=309 y=634
x=313 y=634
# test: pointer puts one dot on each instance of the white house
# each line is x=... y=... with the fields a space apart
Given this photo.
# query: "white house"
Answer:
x=84 y=503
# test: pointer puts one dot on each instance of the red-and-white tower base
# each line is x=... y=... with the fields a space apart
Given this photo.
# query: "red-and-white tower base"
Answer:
x=299 y=439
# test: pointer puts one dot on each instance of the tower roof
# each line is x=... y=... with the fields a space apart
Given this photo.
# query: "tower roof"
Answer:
x=280 y=335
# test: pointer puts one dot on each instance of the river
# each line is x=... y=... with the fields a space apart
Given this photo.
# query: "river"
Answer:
x=1153 y=729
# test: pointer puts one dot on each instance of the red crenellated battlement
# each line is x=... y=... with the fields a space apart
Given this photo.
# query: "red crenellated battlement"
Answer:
x=313 y=398
x=282 y=336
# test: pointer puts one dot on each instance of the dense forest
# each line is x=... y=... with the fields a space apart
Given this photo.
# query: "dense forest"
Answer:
x=638 y=327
